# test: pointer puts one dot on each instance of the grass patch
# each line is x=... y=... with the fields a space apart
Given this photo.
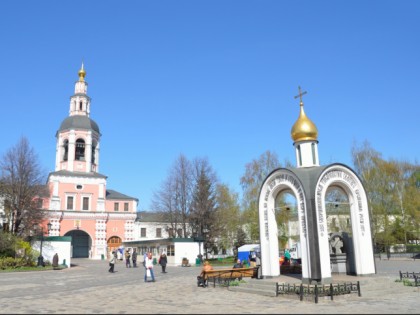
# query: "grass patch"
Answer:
x=32 y=268
x=406 y=282
x=27 y=268
x=228 y=261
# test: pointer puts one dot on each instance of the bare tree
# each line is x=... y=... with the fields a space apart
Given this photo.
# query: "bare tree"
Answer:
x=174 y=197
x=183 y=188
x=23 y=189
x=164 y=202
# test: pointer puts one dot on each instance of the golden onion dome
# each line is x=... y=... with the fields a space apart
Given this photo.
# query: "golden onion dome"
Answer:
x=82 y=74
x=304 y=128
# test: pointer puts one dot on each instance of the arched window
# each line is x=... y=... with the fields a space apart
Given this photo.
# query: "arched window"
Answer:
x=93 y=153
x=80 y=150
x=313 y=154
x=299 y=155
x=66 y=150
x=80 y=105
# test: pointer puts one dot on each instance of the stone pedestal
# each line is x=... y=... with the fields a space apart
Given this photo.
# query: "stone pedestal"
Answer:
x=338 y=263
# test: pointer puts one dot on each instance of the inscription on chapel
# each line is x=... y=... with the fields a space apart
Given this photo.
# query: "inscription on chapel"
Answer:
x=347 y=178
x=289 y=180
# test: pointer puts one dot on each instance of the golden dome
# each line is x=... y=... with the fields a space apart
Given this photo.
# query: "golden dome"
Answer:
x=304 y=128
x=82 y=74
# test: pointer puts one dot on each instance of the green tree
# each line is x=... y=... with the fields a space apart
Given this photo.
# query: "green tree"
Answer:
x=241 y=239
x=228 y=216
x=203 y=214
x=255 y=173
x=392 y=194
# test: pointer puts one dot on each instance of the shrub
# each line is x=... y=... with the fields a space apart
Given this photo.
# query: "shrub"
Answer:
x=12 y=263
x=15 y=252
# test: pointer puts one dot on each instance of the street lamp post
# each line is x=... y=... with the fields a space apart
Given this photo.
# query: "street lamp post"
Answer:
x=199 y=239
x=40 y=257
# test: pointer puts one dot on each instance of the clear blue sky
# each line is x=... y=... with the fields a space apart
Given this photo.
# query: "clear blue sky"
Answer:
x=213 y=79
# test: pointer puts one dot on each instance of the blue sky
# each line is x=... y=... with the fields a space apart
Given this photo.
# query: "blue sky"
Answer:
x=213 y=79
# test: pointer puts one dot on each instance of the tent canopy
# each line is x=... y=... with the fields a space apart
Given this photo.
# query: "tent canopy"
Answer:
x=249 y=248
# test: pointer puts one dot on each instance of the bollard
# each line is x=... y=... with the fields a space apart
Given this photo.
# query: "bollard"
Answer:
x=331 y=291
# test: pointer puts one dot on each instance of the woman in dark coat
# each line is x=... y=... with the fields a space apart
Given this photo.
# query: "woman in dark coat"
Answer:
x=163 y=260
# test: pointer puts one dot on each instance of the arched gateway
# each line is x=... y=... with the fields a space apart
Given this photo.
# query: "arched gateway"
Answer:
x=309 y=183
x=81 y=243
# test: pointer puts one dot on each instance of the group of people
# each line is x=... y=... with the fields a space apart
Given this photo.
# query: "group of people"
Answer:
x=133 y=257
x=147 y=263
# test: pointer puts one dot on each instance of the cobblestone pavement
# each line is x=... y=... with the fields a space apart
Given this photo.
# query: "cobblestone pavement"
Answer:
x=88 y=288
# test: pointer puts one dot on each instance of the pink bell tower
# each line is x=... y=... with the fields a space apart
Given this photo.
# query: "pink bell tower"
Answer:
x=80 y=204
x=79 y=136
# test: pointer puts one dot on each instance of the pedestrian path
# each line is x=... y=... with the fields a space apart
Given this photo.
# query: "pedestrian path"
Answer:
x=89 y=288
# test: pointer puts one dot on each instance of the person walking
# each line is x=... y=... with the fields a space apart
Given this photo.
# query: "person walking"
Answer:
x=112 y=261
x=149 y=268
x=163 y=260
x=134 y=258
x=127 y=259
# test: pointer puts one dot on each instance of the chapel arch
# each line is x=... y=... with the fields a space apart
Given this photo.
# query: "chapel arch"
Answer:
x=340 y=194
x=286 y=213
x=278 y=189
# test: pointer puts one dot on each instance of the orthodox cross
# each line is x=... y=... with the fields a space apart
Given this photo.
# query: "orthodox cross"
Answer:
x=300 y=94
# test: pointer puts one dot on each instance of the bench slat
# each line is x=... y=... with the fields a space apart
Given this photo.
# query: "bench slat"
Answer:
x=230 y=273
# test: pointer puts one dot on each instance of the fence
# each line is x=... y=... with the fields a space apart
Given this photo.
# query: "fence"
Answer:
x=411 y=275
x=315 y=291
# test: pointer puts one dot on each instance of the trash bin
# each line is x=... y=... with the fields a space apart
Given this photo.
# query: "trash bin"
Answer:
x=102 y=256
x=154 y=261
x=197 y=262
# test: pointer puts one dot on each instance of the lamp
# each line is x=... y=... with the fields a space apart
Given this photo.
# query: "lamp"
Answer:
x=40 y=257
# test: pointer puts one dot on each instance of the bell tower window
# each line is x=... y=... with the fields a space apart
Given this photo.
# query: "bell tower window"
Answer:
x=66 y=150
x=80 y=105
x=80 y=150
x=93 y=154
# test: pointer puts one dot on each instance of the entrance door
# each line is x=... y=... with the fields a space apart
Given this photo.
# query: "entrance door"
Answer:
x=80 y=242
x=113 y=244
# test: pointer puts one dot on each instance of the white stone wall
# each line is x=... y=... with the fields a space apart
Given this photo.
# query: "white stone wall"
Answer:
x=49 y=248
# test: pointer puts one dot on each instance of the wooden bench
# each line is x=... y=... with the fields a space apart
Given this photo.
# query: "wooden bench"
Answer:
x=227 y=275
